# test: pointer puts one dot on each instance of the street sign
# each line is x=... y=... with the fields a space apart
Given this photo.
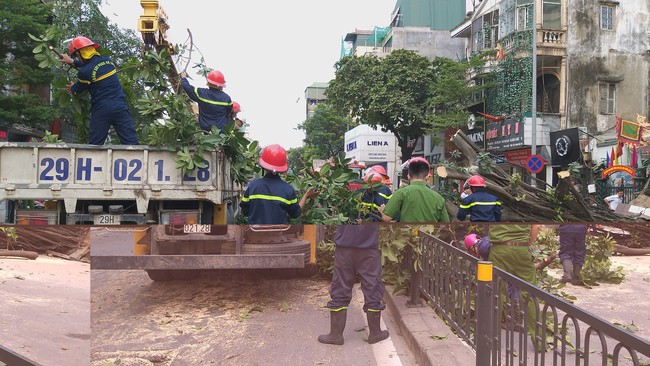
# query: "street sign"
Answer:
x=534 y=164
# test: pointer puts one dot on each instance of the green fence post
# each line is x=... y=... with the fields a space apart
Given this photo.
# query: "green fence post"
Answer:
x=483 y=313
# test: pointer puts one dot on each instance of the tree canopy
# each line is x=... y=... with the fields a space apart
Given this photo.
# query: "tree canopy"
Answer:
x=24 y=87
x=71 y=18
x=391 y=93
x=324 y=133
x=404 y=93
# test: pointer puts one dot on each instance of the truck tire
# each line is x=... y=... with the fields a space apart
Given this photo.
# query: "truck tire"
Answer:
x=161 y=275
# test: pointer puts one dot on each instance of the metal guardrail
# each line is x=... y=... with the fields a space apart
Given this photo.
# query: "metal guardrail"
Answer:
x=490 y=314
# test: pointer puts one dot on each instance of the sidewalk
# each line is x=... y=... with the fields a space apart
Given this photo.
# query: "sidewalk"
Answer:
x=420 y=326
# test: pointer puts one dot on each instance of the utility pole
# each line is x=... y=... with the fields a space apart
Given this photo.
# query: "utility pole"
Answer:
x=533 y=135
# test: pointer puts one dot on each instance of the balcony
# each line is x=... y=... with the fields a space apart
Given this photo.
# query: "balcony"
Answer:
x=553 y=40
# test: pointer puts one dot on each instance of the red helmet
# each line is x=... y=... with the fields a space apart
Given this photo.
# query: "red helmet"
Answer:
x=216 y=78
x=378 y=169
x=418 y=159
x=274 y=158
x=236 y=108
x=79 y=43
x=372 y=178
x=476 y=181
x=470 y=240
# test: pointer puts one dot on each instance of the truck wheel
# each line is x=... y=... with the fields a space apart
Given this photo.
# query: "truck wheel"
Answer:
x=170 y=274
x=160 y=274
x=185 y=274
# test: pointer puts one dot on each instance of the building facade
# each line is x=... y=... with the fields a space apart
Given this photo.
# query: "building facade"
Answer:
x=591 y=64
x=314 y=94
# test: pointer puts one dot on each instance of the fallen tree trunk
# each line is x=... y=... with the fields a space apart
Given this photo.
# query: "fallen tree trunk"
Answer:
x=18 y=253
x=72 y=241
x=622 y=249
x=525 y=202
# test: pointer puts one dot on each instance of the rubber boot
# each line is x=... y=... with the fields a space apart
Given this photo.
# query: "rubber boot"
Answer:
x=337 y=325
x=577 y=275
x=567 y=267
x=374 y=326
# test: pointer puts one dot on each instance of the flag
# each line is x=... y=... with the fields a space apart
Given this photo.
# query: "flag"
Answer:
x=613 y=158
x=607 y=160
x=628 y=132
x=634 y=159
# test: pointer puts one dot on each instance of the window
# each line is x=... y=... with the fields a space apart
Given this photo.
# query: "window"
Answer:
x=552 y=10
x=522 y=17
x=477 y=35
x=524 y=14
x=607 y=92
x=606 y=17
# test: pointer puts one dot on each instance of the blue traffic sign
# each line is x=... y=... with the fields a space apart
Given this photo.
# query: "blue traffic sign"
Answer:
x=535 y=164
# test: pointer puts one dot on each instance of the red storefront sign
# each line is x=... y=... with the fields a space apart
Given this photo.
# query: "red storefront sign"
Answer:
x=518 y=157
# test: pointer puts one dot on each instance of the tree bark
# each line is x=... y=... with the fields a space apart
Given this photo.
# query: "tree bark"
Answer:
x=522 y=201
x=18 y=253
x=622 y=249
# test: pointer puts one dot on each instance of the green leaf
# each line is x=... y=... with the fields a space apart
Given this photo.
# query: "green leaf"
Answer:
x=34 y=38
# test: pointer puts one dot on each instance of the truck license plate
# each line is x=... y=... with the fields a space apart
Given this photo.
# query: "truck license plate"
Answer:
x=107 y=219
x=196 y=228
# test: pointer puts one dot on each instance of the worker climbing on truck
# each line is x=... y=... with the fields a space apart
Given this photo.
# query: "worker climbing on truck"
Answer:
x=215 y=106
x=240 y=122
x=97 y=74
x=268 y=200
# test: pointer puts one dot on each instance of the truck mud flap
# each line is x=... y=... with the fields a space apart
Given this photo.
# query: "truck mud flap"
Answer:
x=10 y=358
x=220 y=261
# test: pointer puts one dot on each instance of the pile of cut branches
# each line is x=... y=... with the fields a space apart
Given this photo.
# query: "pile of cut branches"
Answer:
x=522 y=201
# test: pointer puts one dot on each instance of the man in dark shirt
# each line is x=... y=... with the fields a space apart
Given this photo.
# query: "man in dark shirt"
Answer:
x=215 y=106
x=98 y=76
x=357 y=252
x=268 y=200
x=480 y=205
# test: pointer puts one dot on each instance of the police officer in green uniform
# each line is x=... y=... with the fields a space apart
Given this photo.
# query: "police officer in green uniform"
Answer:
x=416 y=202
x=510 y=252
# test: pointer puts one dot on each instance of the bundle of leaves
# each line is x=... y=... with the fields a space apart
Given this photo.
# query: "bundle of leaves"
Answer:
x=166 y=119
x=171 y=122
x=396 y=268
x=393 y=243
x=547 y=244
x=325 y=253
x=597 y=266
x=336 y=203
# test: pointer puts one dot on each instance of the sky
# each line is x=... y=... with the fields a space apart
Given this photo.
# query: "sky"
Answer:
x=269 y=51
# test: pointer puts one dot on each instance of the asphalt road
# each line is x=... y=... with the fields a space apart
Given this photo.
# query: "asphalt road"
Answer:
x=46 y=310
x=222 y=318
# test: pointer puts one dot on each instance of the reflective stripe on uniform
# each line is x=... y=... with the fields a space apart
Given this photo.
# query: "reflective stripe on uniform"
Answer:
x=339 y=309
x=269 y=198
x=84 y=81
x=370 y=204
x=481 y=204
x=102 y=77
x=196 y=91
x=384 y=195
x=105 y=75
